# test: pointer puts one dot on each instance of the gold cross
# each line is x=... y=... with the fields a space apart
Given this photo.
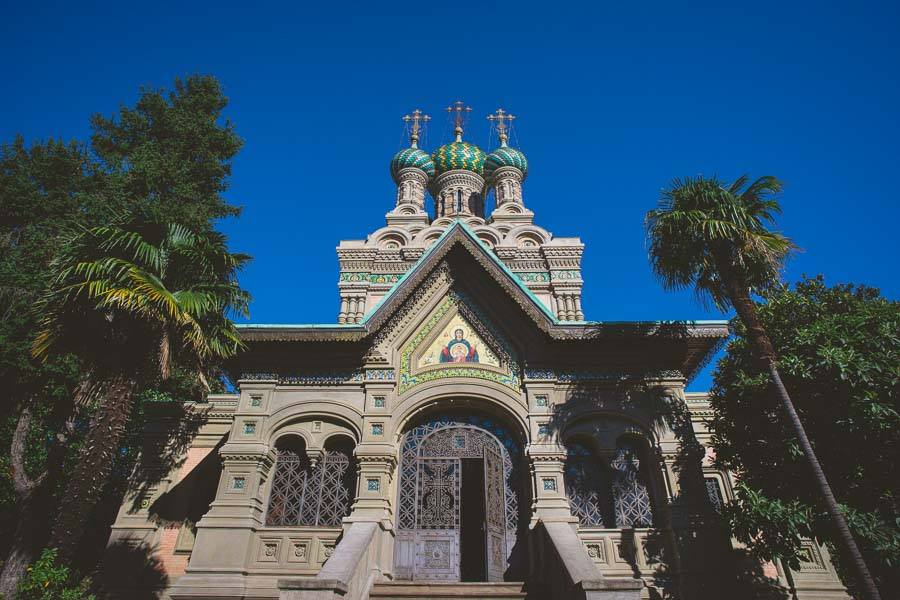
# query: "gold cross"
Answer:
x=417 y=117
x=501 y=116
x=462 y=112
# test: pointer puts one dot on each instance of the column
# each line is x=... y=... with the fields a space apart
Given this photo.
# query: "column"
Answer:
x=342 y=315
x=579 y=314
x=570 y=307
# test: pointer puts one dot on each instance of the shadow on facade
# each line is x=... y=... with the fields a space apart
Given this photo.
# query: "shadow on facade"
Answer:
x=130 y=571
x=169 y=430
x=688 y=553
x=129 y=567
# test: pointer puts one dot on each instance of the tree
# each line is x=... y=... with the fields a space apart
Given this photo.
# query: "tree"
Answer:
x=45 y=192
x=714 y=237
x=129 y=301
x=839 y=354
x=167 y=158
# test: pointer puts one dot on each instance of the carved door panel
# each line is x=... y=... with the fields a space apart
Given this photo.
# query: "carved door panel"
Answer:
x=437 y=519
x=495 y=513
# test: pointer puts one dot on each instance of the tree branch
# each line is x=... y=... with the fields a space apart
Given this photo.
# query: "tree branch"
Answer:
x=22 y=484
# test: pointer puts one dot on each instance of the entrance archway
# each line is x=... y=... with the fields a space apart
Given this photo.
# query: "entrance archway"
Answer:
x=458 y=500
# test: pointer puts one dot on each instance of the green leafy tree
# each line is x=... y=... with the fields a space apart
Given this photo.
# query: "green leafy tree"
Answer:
x=47 y=579
x=46 y=191
x=839 y=354
x=129 y=302
x=167 y=157
x=715 y=238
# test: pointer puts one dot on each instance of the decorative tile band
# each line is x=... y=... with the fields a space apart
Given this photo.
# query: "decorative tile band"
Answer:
x=348 y=277
x=533 y=277
x=565 y=275
x=380 y=375
x=316 y=378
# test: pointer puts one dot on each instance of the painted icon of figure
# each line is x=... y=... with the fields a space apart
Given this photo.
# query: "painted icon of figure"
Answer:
x=459 y=349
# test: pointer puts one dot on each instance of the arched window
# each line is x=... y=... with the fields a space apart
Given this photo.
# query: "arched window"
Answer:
x=313 y=497
x=630 y=494
x=588 y=486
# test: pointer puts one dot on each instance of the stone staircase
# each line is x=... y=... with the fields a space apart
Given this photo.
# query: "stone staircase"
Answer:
x=410 y=590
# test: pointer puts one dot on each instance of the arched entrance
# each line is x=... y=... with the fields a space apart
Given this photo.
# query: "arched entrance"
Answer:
x=458 y=500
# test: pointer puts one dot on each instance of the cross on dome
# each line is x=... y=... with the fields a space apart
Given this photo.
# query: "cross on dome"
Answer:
x=462 y=111
x=418 y=120
x=500 y=118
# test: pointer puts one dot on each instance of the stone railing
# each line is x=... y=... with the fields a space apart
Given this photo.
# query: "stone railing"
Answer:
x=561 y=568
x=349 y=572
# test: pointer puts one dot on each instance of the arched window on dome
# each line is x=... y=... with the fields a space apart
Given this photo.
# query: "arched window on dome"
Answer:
x=589 y=486
x=307 y=496
x=631 y=493
x=459 y=201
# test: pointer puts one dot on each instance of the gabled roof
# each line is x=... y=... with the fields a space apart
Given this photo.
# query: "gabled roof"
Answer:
x=706 y=335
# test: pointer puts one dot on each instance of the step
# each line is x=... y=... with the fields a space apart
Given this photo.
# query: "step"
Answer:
x=420 y=590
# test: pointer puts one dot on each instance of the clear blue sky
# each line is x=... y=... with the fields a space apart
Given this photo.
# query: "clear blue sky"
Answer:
x=614 y=100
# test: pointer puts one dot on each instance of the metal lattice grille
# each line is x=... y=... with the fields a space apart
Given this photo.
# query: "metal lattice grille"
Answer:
x=459 y=437
x=439 y=483
x=588 y=487
x=306 y=496
x=630 y=495
x=715 y=494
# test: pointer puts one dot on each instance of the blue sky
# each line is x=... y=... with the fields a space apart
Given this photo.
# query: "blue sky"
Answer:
x=614 y=100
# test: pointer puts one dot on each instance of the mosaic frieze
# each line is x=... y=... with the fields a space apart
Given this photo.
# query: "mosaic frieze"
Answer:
x=460 y=360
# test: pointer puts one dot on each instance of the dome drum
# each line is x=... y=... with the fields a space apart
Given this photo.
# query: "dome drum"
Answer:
x=458 y=193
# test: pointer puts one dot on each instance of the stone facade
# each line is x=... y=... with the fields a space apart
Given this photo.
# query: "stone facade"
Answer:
x=347 y=455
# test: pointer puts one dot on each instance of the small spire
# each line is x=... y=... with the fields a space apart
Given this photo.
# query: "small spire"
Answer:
x=418 y=120
x=462 y=111
x=500 y=117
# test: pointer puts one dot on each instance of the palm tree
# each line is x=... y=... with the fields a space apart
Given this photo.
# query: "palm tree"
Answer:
x=131 y=301
x=714 y=238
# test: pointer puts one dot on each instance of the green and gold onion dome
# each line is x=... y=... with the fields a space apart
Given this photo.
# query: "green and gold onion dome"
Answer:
x=415 y=158
x=459 y=155
x=505 y=156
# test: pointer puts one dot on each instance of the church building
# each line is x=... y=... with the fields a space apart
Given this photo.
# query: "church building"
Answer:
x=462 y=430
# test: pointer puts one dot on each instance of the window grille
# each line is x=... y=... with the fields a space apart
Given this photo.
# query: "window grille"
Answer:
x=715 y=493
x=311 y=497
x=588 y=486
x=630 y=494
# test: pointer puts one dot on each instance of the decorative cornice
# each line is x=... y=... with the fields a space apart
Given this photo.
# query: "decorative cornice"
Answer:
x=566 y=376
x=460 y=234
x=391 y=278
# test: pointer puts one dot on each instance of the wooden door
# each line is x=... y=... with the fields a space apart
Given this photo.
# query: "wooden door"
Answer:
x=495 y=513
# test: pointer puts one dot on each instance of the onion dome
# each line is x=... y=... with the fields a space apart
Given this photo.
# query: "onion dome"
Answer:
x=459 y=155
x=415 y=158
x=504 y=156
